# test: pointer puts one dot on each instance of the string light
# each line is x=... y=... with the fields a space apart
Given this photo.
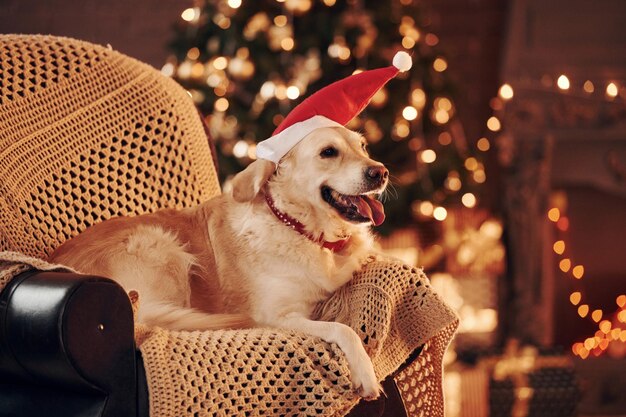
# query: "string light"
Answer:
x=483 y=144
x=409 y=113
x=293 y=92
x=578 y=271
x=588 y=87
x=469 y=200
x=493 y=124
x=559 y=247
x=575 y=297
x=440 y=64
x=612 y=90
x=440 y=213
x=221 y=104
x=220 y=63
x=506 y=92
x=191 y=14
x=428 y=156
x=563 y=82
x=605 y=334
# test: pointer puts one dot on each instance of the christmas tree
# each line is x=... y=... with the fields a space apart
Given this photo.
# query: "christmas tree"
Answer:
x=248 y=63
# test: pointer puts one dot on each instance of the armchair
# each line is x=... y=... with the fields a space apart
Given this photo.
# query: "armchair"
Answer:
x=87 y=134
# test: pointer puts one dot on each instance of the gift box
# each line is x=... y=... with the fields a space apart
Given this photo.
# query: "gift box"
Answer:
x=524 y=382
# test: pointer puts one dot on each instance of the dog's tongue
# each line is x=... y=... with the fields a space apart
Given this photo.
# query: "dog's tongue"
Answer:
x=370 y=207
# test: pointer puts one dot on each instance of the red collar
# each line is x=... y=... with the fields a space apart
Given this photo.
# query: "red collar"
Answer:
x=299 y=227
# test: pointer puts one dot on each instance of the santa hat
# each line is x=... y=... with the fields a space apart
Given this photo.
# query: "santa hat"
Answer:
x=332 y=106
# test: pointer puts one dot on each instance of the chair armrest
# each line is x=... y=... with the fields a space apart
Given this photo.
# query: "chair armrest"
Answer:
x=69 y=331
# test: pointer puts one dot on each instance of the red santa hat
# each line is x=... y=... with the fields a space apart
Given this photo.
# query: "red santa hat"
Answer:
x=332 y=106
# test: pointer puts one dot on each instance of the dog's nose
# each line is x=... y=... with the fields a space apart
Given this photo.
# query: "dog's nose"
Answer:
x=376 y=174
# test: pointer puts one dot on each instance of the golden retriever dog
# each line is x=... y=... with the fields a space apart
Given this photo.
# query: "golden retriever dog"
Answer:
x=264 y=254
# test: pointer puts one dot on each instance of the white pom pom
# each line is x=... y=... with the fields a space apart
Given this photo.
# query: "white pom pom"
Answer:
x=402 y=61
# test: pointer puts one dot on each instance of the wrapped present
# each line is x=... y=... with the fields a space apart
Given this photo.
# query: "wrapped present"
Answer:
x=525 y=383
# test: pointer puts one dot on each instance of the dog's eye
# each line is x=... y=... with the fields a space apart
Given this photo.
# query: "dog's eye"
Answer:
x=364 y=147
x=329 y=152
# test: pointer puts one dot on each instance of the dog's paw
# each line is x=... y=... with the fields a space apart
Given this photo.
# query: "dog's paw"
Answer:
x=365 y=382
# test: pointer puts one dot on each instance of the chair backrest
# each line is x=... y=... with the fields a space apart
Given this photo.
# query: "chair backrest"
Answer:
x=87 y=134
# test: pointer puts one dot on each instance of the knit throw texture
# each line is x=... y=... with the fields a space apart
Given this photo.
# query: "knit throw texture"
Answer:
x=87 y=134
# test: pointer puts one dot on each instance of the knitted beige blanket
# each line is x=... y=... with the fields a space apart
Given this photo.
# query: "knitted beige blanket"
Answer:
x=87 y=134
x=282 y=373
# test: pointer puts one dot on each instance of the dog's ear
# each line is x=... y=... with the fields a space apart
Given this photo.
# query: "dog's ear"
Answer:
x=248 y=183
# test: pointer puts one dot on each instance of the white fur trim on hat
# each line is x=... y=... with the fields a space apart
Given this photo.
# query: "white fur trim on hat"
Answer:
x=277 y=146
x=402 y=61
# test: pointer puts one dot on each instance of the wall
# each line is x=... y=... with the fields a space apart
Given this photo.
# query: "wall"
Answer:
x=139 y=28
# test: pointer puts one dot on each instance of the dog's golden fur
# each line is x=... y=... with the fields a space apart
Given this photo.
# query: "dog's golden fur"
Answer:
x=231 y=263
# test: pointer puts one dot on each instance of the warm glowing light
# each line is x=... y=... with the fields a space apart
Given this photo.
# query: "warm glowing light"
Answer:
x=563 y=82
x=443 y=103
x=604 y=343
x=479 y=176
x=221 y=104
x=426 y=208
x=281 y=92
x=197 y=69
x=440 y=64
x=431 y=39
x=344 y=53
x=234 y=4
x=563 y=224
x=578 y=271
x=267 y=90
x=621 y=316
x=565 y=264
x=428 y=156
x=453 y=183
x=554 y=214
x=168 y=69
x=440 y=213
x=605 y=326
x=444 y=138
x=621 y=300
x=612 y=90
x=287 y=44
x=575 y=297
x=220 y=63
x=409 y=113
x=614 y=333
x=483 y=144
x=559 y=247
x=588 y=87
x=402 y=129
x=596 y=315
x=469 y=200
x=506 y=92
x=418 y=98
x=471 y=164
x=493 y=124
x=330 y=3
x=193 y=53
x=408 y=42
x=583 y=353
x=441 y=116
x=219 y=91
x=293 y=92
x=240 y=149
x=190 y=15
x=280 y=20
x=583 y=310
x=590 y=343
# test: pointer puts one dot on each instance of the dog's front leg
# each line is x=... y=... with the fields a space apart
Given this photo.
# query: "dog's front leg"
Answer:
x=361 y=368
